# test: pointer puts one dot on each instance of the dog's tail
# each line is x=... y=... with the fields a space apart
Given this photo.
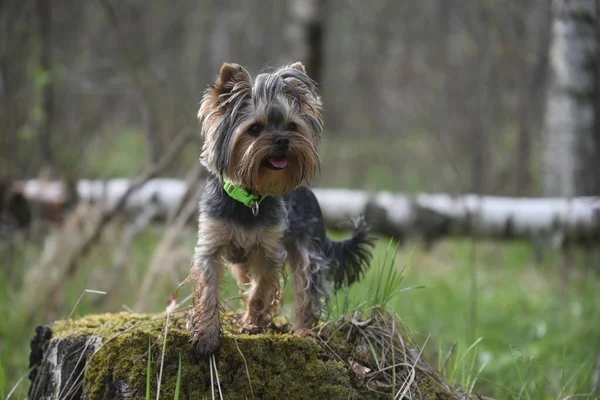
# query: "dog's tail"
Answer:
x=351 y=257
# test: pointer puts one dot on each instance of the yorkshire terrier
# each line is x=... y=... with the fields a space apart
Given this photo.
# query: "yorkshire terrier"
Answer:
x=261 y=149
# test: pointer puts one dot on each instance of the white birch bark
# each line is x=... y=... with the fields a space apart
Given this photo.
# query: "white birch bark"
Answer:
x=427 y=216
x=571 y=153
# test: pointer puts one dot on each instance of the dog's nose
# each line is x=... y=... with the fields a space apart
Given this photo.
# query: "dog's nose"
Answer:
x=282 y=142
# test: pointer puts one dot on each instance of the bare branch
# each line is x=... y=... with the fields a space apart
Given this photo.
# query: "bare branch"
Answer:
x=108 y=214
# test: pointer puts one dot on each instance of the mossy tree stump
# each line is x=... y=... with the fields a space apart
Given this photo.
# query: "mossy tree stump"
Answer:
x=106 y=357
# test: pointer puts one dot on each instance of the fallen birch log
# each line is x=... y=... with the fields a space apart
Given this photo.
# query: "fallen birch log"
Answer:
x=425 y=216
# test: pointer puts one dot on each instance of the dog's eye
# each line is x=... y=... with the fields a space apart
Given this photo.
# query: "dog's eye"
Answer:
x=255 y=129
x=291 y=127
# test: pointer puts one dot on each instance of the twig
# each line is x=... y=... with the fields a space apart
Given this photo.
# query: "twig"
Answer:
x=170 y=307
x=187 y=207
x=193 y=182
x=108 y=214
x=129 y=57
x=133 y=230
x=147 y=107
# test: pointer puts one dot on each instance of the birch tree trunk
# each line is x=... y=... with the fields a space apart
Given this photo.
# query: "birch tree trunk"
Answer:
x=426 y=216
x=305 y=32
x=572 y=150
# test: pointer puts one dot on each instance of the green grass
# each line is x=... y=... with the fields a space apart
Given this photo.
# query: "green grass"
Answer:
x=532 y=342
x=178 y=384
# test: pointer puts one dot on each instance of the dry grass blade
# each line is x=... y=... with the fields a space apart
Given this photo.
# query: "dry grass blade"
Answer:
x=172 y=306
x=246 y=365
x=412 y=375
x=212 y=379
x=393 y=355
x=408 y=382
x=18 y=383
x=214 y=365
x=81 y=298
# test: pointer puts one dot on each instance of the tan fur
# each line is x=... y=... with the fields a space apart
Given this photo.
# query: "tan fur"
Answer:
x=258 y=277
x=249 y=152
x=232 y=77
x=204 y=323
x=228 y=109
x=240 y=273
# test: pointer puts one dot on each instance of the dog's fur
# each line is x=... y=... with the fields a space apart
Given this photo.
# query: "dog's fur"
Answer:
x=242 y=121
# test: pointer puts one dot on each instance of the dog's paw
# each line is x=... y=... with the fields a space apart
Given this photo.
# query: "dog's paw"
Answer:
x=250 y=329
x=303 y=332
x=206 y=342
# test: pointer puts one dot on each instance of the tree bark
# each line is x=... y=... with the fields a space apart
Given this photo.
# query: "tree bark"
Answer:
x=536 y=41
x=110 y=356
x=44 y=11
x=571 y=154
x=306 y=35
x=425 y=216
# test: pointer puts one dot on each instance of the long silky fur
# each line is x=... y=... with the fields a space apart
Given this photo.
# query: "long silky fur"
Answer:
x=352 y=256
x=289 y=225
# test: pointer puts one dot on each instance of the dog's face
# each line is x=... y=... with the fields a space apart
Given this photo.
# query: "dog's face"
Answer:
x=263 y=135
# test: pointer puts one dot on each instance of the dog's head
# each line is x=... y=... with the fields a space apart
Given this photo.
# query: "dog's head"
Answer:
x=262 y=134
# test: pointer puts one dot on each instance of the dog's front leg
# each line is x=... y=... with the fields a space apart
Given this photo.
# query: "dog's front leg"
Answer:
x=204 y=322
x=264 y=294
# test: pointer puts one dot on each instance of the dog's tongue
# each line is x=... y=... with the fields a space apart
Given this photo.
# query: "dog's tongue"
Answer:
x=278 y=162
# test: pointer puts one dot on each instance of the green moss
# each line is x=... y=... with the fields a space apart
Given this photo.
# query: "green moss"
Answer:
x=106 y=325
x=272 y=365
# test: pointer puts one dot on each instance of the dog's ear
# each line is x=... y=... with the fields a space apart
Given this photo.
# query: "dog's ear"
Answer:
x=231 y=75
x=233 y=83
x=301 y=87
x=299 y=66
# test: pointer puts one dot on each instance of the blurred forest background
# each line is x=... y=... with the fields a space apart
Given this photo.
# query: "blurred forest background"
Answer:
x=427 y=96
x=404 y=83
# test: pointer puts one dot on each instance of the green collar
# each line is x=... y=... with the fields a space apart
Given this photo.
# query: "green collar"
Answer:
x=240 y=194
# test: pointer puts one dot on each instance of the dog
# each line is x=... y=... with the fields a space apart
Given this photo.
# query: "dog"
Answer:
x=257 y=212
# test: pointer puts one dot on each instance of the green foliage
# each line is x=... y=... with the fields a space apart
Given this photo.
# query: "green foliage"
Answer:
x=3 y=379
x=536 y=334
x=118 y=155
